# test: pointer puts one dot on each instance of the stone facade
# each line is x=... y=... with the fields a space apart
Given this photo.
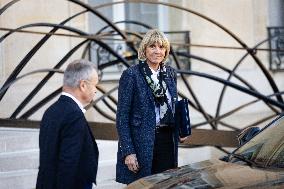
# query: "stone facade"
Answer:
x=246 y=19
x=249 y=25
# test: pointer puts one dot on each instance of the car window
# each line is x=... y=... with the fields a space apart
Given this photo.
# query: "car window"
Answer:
x=278 y=159
x=260 y=148
x=252 y=151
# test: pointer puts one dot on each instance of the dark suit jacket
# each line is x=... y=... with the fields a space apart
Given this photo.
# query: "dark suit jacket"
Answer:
x=136 y=122
x=68 y=150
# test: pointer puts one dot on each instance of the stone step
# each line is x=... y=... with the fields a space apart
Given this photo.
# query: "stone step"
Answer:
x=29 y=159
x=106 y=171
x=19 y=159
x=14 y=139
x=26 y=178
x=21 y=179
x=10 y=178
x=109 y=184
x=12 y=161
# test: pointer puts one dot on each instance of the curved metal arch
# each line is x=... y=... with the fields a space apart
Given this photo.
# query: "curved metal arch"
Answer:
x=111 y=63
x=45 y=100
x=113 y=99
x=108 y=105
x=126 y=31
x=47 y=77
x=28 y=74
x=262 y=67
x=65 y=21
x=207 y=116
x=266 y=73
x=44 y=80
x=52 y=95
x=177 y=63
x=105 y=94
x=91 y=9
x=30 y=96
x=40 y=104
x=251 y=52
x=127 y=22
x=210 y=116
x=271 y=81
x=216 y=65
x=8 y=5
x=224 y=69
x=98 y=33
x=43 y=40
x=22 y=105
x=86 y=6
x=215 y=119
x=212 y=119
x=234 y=70
x=24 y=62
x=42 y=24
x=236 y=86
x=199 y=106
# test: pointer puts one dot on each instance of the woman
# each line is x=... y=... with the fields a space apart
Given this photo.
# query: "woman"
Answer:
x=148 y=138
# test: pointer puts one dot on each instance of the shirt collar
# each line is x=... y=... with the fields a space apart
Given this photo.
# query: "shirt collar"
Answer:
x=75 y=100
x=155 y=72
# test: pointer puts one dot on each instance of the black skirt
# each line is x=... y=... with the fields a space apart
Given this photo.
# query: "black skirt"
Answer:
x=163 y=153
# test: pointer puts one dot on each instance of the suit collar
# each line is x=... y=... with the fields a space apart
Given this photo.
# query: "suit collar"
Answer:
x=69 y=100
x=75 y=100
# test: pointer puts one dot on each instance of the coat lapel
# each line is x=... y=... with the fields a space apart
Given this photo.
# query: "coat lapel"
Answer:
x=171 y=86
x=149 y=93
x=147 y=88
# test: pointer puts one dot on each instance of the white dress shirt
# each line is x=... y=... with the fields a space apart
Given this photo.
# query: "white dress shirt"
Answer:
x=75 y=100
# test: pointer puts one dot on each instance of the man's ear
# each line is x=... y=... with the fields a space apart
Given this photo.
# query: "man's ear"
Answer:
x=82 y=85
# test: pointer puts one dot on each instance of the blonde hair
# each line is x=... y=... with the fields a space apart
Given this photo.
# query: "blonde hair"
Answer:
x=150 y=38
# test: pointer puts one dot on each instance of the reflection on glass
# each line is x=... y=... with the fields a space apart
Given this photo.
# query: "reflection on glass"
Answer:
x=266 y=146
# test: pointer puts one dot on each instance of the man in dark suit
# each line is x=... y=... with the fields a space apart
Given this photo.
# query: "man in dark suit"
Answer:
x=68 y=150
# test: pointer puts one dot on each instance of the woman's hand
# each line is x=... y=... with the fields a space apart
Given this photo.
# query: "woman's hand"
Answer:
x=132 y=163
x=182 y=139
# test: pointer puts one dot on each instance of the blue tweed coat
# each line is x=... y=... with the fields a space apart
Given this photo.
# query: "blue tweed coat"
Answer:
x=136 y=122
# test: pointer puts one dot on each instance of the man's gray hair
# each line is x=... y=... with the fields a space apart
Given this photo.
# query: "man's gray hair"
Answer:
x=76 y=71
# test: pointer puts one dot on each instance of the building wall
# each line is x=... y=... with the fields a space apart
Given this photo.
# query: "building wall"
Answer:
x=16 y=46
x=246 y=19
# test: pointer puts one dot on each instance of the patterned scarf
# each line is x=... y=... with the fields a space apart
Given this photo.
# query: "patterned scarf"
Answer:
x=159 y=92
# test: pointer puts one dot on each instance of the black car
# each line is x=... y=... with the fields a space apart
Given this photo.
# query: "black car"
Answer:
x=258 y=163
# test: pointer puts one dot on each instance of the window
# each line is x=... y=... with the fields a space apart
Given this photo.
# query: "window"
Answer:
x=276 y=33
x=276 y=43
